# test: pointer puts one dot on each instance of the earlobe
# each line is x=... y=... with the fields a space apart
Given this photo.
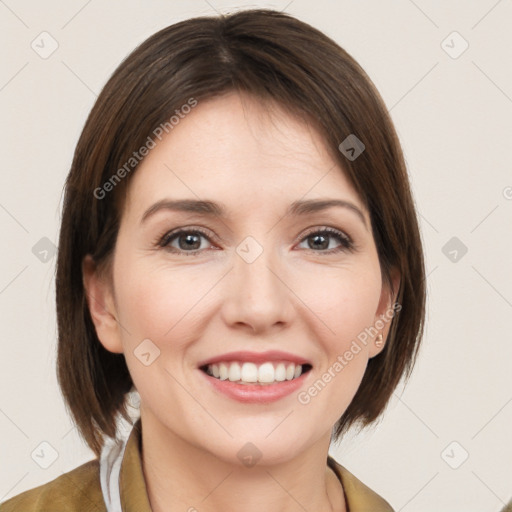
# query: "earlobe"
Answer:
x=99 y=296
x=385 y=313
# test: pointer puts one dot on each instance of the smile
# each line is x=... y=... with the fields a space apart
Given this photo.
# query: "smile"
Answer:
x=265 y=373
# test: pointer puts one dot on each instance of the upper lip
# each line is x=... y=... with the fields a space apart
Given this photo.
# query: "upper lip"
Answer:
x=255 y=357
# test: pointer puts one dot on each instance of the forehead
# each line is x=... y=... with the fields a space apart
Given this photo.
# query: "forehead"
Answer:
x=236 y=149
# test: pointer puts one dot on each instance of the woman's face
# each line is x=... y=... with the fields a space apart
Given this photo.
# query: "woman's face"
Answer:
x=260 y=284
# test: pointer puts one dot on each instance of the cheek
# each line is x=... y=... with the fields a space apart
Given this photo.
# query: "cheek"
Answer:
x=347 y=307
x=159 y=303
x=158 y=306
x=345 y=303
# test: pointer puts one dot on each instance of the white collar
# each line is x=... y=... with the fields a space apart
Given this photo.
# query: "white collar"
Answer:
x=111 y=458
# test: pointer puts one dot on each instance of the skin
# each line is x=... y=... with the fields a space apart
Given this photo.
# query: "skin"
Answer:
x=294 y=297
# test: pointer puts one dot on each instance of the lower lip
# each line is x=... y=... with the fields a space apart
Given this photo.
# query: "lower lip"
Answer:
x=256 y=393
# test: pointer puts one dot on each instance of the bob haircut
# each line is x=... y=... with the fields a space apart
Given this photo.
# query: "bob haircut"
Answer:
x=280 y=61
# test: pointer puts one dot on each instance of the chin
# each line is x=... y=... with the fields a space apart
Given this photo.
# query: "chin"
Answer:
x=264 y=446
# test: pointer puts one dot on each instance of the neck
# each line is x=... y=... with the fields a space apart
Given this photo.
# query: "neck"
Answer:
x=181 y=476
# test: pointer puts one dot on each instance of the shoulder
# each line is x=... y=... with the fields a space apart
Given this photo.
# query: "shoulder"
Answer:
x=76 y=490
x=360 y=498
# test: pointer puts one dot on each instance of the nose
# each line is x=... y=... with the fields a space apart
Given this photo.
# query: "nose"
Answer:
x=257 y=295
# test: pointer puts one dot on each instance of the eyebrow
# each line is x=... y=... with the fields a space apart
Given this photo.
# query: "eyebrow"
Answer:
x=210 y=208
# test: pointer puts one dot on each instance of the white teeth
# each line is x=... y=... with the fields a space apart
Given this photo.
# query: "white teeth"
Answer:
x=234 y=372
x=266 y=373
x=280 y=373
x=223 y=371
x=248 y=373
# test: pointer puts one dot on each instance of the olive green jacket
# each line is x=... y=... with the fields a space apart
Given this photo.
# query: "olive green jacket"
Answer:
x=80 y=490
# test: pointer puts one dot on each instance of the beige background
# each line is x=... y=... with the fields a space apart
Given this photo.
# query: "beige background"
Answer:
x=454 y=118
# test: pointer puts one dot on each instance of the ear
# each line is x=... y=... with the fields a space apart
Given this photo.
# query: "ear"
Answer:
x=100 y=300
x=385 y=312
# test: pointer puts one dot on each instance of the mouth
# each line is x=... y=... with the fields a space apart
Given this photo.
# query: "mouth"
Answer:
x=264 y=374
x=251 y=377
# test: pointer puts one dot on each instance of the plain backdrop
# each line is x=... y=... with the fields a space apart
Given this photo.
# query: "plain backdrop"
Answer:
x=444 y=71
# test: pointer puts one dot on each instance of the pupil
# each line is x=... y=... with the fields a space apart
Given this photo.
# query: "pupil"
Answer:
x=323 y=244
x=191 y=241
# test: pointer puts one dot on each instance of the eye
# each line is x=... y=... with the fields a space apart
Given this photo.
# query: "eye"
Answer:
x=189 y=241
x=320 y=240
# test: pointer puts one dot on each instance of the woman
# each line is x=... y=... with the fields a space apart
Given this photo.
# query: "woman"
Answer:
x=240 y=251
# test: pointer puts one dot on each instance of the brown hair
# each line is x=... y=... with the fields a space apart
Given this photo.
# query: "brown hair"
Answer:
x=276 y=58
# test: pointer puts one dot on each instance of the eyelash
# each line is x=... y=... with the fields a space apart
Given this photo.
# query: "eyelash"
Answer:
x=346 y=243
